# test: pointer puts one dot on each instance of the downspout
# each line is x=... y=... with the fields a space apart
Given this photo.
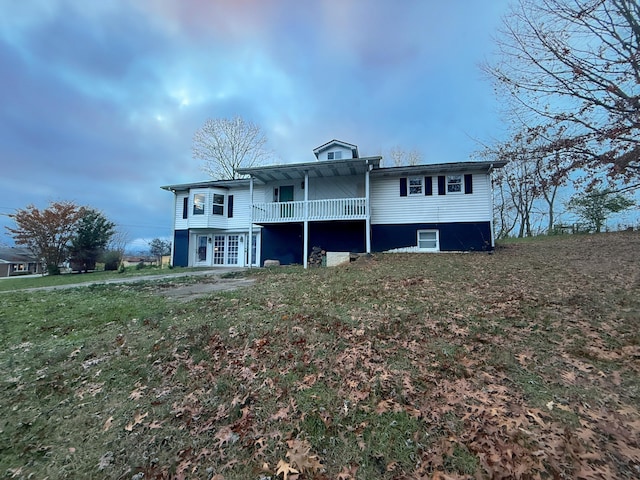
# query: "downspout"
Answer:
x=250 y=242
x=306 y=220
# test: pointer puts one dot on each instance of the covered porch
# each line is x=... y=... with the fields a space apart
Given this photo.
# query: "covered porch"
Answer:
x=323 y=208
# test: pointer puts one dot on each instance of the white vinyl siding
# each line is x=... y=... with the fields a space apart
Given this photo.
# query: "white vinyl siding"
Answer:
x=388 y=207
x=179 y=222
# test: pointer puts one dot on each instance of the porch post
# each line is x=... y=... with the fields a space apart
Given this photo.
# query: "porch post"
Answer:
x=249 y=245
x=306 y=220
x=368 y=210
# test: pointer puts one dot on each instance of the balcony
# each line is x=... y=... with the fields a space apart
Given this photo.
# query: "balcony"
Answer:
x=313 y=210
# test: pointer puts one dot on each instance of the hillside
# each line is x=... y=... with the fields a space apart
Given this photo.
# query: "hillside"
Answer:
x=520 y=364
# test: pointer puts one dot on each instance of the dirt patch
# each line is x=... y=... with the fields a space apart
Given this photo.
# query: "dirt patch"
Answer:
x=186 y=293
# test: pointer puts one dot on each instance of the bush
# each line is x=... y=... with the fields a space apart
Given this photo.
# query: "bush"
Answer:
x=112 y=260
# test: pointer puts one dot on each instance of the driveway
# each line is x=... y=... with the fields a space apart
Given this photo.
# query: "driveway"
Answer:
x=211 y=281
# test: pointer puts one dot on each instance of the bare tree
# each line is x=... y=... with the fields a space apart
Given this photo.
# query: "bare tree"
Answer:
x=535 y=172
x=401 y=157
x=577 y=63
x=226 y=144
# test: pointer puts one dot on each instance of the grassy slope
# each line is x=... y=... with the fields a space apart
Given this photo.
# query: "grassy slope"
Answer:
x=523 y=363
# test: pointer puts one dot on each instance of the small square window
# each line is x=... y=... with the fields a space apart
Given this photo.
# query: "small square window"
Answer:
x=454 y=183
x=198 y=204
x=428 y=240
x=330 y=155
x=415 y=186
x=218 y=204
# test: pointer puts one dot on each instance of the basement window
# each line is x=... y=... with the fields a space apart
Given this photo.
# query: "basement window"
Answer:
x=428 y=240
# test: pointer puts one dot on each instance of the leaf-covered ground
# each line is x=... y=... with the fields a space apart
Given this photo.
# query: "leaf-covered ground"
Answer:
x=520 y=364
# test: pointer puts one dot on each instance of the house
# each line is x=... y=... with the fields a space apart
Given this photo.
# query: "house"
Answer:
x=18 y=261
x=340 y=202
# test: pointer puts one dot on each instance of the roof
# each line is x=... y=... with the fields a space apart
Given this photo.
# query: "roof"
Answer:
x=181 y=187
x=433 y=168
x=16 y=255
x=333 y=168
x=325 y=168
x=339 y=143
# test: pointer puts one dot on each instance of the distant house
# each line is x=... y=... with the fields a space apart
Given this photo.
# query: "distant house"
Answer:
x=340 y=202
x=18 y=261
x=145 y=260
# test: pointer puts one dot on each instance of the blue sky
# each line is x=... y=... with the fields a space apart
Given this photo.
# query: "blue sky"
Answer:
x=99 y=100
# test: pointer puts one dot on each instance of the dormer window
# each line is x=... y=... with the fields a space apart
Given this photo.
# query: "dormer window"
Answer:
x=334 y=156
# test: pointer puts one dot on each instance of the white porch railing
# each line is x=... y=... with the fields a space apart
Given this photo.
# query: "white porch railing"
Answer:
x=328 y=209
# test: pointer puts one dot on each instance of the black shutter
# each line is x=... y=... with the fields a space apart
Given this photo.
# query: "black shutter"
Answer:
x=403 y=187
x=428 y=186
x=185 y=207
x=230 y=206
x=441 y=185
x=468 y=183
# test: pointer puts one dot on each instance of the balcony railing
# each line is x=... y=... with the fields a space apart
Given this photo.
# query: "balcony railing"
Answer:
x=328 y=209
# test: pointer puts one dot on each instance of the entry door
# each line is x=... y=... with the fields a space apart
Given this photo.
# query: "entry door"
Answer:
x=286 y=195
x=201 y=249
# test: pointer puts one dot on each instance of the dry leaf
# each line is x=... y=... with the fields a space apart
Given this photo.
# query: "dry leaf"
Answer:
x=107 y=424
x=285 y=469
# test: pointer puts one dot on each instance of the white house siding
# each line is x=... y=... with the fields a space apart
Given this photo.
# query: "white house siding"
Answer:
x=241 y=209
x=336 y=187
x=181 y=223
x=388 y=207
x=346 y=153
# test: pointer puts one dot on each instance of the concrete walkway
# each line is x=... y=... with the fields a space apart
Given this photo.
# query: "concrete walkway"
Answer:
x=214 y=272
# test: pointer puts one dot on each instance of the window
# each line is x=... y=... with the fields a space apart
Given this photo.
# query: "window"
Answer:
x=454 y=183
x=428 y=240
x=198 y=204
x=334 y=156
x=185 y=207
x=218 y=204
x=415 y=186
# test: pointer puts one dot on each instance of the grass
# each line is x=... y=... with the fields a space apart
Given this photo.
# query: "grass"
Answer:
x=519 y=364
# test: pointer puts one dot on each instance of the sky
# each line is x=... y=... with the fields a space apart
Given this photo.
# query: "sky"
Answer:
x=99 y=100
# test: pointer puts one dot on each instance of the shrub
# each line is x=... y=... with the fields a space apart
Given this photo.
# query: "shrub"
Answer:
x=112 y=260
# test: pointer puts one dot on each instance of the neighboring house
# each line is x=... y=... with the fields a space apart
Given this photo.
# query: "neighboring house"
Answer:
x=18 y=261
x=339 y=202
x=144 y=260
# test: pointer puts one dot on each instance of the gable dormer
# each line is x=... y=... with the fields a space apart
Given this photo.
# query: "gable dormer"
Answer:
x=336 y=150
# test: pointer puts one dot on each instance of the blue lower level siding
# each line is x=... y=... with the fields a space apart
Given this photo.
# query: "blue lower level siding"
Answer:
x=338 y=236
x=468 y=236
x=181 y=248
x=283 y=242
x=286 y=242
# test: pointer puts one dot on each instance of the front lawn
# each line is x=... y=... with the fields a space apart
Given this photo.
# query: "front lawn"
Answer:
x=520 y=364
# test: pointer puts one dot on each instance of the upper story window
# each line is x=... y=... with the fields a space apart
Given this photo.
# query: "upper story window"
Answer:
x=334 y=156
x=415 y=186
x=198 y=204
x=218 y=204
x=454 y=183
